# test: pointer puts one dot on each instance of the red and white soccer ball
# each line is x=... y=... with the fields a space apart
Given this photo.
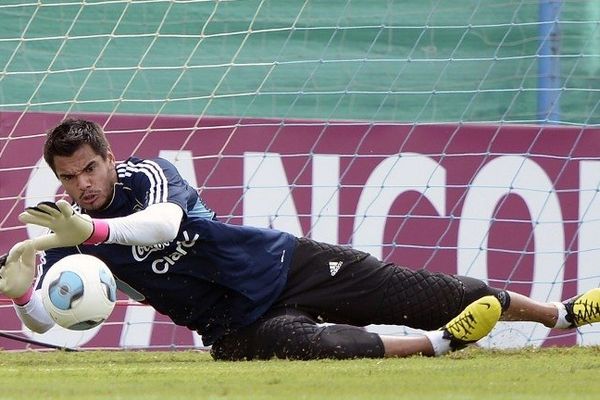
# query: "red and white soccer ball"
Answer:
x=79 y=292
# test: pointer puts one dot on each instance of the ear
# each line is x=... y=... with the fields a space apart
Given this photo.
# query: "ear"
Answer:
x=110 y=157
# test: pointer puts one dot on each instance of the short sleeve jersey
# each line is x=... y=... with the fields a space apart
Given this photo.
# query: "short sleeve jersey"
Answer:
x=213 y=277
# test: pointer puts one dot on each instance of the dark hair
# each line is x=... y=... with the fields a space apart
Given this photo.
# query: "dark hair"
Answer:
x=66 y=138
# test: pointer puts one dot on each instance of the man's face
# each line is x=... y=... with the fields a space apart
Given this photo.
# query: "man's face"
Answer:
x=87 y=177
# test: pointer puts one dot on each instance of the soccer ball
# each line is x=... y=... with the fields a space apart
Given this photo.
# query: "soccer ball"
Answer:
x=79 y=292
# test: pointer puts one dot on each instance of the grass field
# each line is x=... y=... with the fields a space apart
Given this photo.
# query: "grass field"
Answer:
x=472 y=374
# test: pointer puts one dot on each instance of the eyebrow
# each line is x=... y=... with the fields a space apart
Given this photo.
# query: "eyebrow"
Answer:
x=67 y=175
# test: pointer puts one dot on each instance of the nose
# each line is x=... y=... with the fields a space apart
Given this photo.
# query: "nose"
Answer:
x=83 y=181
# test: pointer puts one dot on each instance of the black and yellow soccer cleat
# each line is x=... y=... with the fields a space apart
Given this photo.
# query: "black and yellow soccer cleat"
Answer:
x=584 y=309
x=473 y=323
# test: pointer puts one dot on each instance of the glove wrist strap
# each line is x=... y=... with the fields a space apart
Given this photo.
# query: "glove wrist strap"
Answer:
x=100 y=232
x=24 y=298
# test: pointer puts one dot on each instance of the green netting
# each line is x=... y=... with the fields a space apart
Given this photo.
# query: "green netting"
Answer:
x=408 y=61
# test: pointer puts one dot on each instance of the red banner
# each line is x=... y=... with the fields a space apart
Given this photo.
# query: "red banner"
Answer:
x=517 y=206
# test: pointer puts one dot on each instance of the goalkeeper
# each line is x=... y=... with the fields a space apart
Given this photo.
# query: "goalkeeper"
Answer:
x=251 y=293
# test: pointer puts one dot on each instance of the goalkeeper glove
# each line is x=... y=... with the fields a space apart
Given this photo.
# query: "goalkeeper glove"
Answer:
x=69 y=228
x=16 y=276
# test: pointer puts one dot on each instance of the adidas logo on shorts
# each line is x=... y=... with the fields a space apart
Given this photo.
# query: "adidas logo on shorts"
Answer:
x=334 y=267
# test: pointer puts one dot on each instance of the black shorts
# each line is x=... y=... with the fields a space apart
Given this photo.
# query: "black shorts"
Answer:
x=338 y=284
x=350 y=289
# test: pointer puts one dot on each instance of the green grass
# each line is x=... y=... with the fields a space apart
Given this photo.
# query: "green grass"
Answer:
x=568 y=373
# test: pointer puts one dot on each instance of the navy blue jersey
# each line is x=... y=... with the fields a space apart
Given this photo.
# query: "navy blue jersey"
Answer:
x=213 y=278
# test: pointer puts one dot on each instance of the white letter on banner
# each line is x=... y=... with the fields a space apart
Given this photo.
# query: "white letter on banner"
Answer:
x=139 y=320
x=137 y=326
x=183 y=160
x=498 y=178
x=60 y=336
x=42 y=186
x=392 y=177
x=588 y=267
x=268 y=201
x=325 y=198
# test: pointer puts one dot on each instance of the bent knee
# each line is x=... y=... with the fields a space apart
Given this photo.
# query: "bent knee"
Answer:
x=476 y=289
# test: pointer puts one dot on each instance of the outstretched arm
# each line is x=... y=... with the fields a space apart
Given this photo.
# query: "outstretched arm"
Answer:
x=34 y=315
x=158 y=223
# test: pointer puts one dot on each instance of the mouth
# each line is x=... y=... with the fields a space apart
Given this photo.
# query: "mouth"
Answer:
x=89 y=198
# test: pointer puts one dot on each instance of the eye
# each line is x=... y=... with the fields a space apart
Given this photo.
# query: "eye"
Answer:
x=90 y=168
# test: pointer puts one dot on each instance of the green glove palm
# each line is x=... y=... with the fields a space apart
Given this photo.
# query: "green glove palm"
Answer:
x=16 y=276
x=69 y=228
